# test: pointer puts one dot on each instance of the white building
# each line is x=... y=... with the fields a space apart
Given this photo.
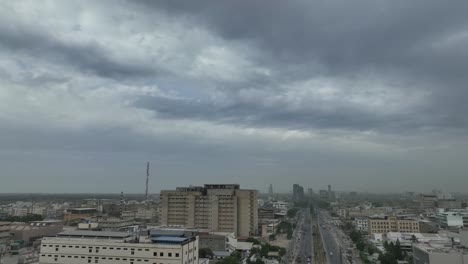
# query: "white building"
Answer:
x=281 y=207
x=80 y=247
x=449 y=219
x=362 y=224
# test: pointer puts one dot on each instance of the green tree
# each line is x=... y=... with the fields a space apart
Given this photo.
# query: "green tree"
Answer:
x=234 y=258
x=292 y=212
x=253 y=240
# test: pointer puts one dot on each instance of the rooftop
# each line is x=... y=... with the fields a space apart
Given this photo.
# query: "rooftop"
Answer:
x=91 y=234
x=169 y=240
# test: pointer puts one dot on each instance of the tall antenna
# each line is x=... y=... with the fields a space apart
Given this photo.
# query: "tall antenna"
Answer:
x=147 y=181
x=121 y=205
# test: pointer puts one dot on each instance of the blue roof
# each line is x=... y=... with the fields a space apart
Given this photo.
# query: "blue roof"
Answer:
x=168 y=239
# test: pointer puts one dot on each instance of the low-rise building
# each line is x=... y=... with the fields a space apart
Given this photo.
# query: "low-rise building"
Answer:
x=80 y=247
x=79 y=213
x=28 y=232
x=427 y=254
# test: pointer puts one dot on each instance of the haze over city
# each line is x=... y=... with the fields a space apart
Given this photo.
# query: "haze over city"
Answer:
x=363 y=95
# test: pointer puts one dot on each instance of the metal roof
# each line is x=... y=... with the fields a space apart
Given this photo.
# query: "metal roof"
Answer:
x=86 y=233
x=166 y=239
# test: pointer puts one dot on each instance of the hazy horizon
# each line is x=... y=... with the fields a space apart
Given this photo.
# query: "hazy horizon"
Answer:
x=363 y=95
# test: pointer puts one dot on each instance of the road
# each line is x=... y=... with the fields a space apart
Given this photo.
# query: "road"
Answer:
x=300 y=248
x=336 y=243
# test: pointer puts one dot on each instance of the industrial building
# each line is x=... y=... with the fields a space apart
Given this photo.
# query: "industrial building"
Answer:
x=213 y=207
x=155 y=247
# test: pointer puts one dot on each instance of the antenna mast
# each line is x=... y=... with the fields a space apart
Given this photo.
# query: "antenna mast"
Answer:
x=147 y=181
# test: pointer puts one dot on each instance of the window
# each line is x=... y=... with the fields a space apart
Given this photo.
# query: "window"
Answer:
x=161 y=254
x=169 y=254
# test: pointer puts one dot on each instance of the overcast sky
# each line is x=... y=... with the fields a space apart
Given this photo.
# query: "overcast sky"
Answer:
x=364 y=95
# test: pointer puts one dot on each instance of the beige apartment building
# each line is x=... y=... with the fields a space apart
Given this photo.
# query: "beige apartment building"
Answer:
x=214 y=207
x=393 y=224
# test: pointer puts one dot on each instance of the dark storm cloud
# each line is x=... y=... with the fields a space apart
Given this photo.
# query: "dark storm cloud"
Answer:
x=89 y=58
x=420 y=45
x=249 y=114
x=342 y=35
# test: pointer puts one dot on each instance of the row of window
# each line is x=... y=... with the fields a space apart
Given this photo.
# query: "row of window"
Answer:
x=161 y=254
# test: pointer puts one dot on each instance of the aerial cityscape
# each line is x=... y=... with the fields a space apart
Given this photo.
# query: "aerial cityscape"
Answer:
x=233 y=131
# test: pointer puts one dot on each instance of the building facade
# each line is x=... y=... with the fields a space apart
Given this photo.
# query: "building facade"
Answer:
x=298 y=192
x=214 y=207
x=80 y=247
x=362 y=224
x=393 y=224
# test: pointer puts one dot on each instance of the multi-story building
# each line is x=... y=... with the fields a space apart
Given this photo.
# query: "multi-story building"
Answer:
x=214 y=207
x=298 y=192
x=80 y=247
x=449 y=204
x=448 y=219
x=323 y=194
x=427 y=201
x=5 y=235
x=393 y=224
x=281 y=208
x=362 y=224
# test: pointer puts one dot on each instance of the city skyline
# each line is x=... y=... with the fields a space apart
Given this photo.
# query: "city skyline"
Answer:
x=365 y=96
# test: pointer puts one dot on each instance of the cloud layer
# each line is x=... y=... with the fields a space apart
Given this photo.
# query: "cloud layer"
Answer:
x=309 y=91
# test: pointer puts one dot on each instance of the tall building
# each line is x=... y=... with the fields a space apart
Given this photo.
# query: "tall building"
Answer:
x=298 y=192
x=214 y=207
x=310 y=192
x=270 y=189
x=80 y=247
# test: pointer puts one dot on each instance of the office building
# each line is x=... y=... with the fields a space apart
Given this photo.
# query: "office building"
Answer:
x=80 y=247
x=298 y=192
x=213 y=207
x=427 y=201
x=393 y=224
x=270 y=189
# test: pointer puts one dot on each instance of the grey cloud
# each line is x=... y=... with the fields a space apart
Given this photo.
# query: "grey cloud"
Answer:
x=90 y=58
x=281 y=116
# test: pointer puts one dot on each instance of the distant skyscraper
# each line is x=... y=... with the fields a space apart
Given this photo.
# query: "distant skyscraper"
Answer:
x=329 y=188
x=310 y=192
x=298 y=192
x=270 y=189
